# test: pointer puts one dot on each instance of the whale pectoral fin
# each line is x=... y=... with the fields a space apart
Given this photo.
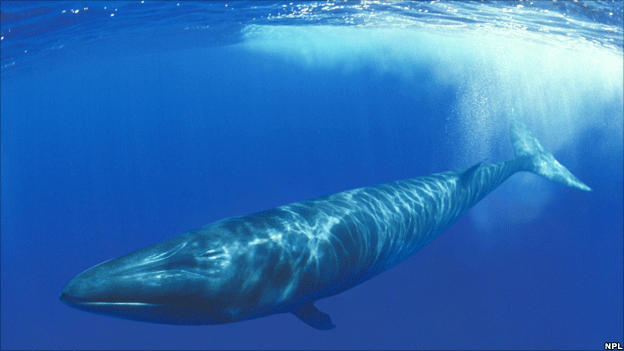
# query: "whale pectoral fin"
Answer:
x=311 y=316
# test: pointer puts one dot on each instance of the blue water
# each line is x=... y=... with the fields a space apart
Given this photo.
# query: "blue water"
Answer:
x=126 y=124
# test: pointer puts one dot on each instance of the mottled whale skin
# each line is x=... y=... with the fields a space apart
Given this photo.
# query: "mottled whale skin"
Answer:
x=284 y=259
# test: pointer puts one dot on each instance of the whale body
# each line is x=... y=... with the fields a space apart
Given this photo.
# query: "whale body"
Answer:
x=284 y=259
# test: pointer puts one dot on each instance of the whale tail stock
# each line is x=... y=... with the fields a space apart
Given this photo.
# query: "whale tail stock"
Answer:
x=537 y=160
x=530 y=156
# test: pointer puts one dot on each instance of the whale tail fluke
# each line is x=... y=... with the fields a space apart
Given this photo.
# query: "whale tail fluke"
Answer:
x=537 y=160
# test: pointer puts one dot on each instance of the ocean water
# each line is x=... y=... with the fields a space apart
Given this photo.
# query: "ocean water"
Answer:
x=124 y=124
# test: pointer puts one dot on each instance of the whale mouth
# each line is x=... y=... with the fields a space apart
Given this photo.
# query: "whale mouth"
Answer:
x=88 y=305
x=142 y=311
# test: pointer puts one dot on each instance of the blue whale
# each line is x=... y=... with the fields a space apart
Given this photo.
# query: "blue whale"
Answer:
x=284 y=259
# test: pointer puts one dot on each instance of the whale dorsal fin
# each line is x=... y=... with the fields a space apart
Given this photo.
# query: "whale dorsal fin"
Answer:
x=466 y=176
x=311 y=316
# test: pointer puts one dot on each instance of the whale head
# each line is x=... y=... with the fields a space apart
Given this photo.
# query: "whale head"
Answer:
x=185 y=280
